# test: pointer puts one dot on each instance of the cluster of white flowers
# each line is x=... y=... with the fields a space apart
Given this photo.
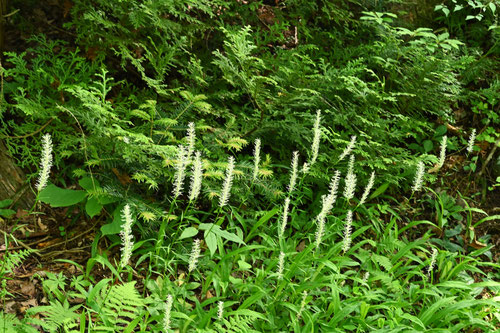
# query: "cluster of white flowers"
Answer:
x=442 y=153
x=228 y=181
x=328 y=202
x=45 y=163
x=302 y=304
x=419 y=177
x=196 y=177
x=195 y=254
x=168 y=310
x=284 y=218
x=220 y=310
x=316 y=138
x=126 y=236
x=180 y=171
x=350 y=180
x=349 y=148
x=293 y=175
x=472 y=139
x=347 y=232
x=368 y=188
x=256 y=159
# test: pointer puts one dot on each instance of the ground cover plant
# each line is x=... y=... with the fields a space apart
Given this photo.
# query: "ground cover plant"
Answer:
x=252 y=166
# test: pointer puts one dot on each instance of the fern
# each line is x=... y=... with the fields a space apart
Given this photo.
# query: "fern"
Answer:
x=118 y=306
x=10 y=324
x=57 y=316
x=235 y=324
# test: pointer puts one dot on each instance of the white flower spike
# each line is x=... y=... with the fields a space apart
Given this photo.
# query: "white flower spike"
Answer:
x=228 y=181
x=442 y=152
x=126 y=236
x=45 y=163
x=349 y=148
x=196 y=177
x=472 y=139
x=293 y=175
x=316 y=138
x=419 y=177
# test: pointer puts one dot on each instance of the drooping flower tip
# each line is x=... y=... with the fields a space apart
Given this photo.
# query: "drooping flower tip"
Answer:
x=45 y=162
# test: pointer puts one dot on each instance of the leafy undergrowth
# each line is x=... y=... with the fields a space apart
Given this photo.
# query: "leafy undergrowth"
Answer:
x=249 y=166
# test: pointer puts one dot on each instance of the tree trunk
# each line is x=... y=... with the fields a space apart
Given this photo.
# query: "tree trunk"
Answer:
x=13 y=182
x=3 y=12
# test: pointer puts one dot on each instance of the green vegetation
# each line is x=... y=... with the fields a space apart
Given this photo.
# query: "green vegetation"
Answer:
x=256 y=166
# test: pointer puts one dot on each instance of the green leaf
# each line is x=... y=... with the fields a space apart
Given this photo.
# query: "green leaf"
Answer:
x=260 y=222
x=88 y=184
x=93 y=207
x=380 y=190
x=189 y=232
x=114 y=227
x=211 y=241
x=7 y=212
x=440 y=131
x=60 y=197
x=5 y=203
x=428 y=145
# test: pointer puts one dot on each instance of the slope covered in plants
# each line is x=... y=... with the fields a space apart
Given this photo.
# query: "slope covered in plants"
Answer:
x=241 y=166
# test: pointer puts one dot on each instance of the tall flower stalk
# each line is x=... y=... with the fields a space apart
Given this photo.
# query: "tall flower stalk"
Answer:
x=419 y=177
x=281 y=265
x=349 y=148
x=191 y=139
x=126 y=236
x=328 y=202
x=228 y=181
x=347 y=232
x=168 y=310
x=180 y=171
x=433 y=261
x=256 y=159
x=442 y=151
x=472 y=139
x=368 y=188
x=316 y=139
x=350 y=180
x=196 y=177
x=195 y=254
x=293 y=175
x=45 y=163
x=284 y=218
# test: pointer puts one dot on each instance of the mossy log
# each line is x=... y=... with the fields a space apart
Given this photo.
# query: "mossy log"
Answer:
x=13 y=181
